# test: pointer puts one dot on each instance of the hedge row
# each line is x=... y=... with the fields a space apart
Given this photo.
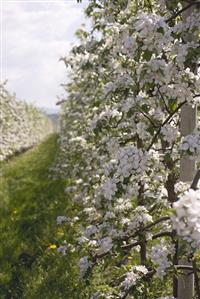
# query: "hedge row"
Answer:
x=22 y=125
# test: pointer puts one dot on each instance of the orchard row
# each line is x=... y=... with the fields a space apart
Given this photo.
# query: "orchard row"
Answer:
x=131 y=74
x=22 y=125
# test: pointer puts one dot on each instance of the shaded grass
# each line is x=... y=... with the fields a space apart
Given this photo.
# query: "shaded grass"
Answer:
x=30 y=202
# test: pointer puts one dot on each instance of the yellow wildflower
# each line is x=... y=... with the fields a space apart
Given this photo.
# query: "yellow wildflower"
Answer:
x=52 y=246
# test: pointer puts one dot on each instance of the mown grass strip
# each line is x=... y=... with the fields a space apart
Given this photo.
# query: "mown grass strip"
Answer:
x=30 y=202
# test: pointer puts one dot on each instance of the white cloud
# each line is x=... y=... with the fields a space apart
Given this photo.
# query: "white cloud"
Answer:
x=35 y=36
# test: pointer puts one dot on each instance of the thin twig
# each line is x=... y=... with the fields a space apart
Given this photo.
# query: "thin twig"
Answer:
x=148 y=117
x=164 y=123
x=162 y=97
x=164 y=218
x=156 y=236
x=182 y=10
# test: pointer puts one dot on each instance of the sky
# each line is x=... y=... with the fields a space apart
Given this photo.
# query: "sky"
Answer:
x=34 y=35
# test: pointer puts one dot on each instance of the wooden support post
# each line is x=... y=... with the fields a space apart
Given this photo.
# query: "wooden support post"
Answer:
x=185 y=282
x=188 y=125
x=187 y=173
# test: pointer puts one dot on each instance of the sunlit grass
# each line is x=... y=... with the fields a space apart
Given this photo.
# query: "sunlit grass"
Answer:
x=30 y=202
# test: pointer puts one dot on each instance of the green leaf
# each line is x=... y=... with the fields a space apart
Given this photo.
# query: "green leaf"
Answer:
x=145 y=108
x=173 y=105
x=147 y=55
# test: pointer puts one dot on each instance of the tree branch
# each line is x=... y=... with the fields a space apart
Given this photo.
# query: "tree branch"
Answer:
x=164 y=218
x=182 y=10
x=156 y=236
x=164 y=123
x=162 y=97
x=148 y=117
x=196 y=180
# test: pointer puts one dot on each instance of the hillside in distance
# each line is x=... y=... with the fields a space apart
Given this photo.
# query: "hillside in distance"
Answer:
x=53 y=114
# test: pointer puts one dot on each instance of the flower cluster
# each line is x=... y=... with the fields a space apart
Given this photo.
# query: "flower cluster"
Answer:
x=160 y=255
x=61 y=219
x=84 y=265
x=186 y=219
x=133 y=275
x=140 y=218
x=106 y=244
x=191 y=144
x=130 y=159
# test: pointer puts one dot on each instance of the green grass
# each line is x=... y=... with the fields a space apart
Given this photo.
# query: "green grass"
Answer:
x=30 y=202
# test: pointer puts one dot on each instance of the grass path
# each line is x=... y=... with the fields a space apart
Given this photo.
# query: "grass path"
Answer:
x=30 y=202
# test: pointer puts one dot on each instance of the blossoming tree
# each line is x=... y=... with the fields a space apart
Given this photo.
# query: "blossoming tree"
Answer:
x=121 y=143
x=22 y=125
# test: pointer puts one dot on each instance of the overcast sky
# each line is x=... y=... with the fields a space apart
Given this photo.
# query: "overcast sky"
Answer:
x=35 y=34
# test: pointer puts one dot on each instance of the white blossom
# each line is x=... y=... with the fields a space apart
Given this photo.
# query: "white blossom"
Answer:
x=106 y=244
x=160 y=256
x=84 y=265
x=170 y=133
x=61 y=219
x=134 y=275
x=109 y=188
x=191 y=144
x=186 y=220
